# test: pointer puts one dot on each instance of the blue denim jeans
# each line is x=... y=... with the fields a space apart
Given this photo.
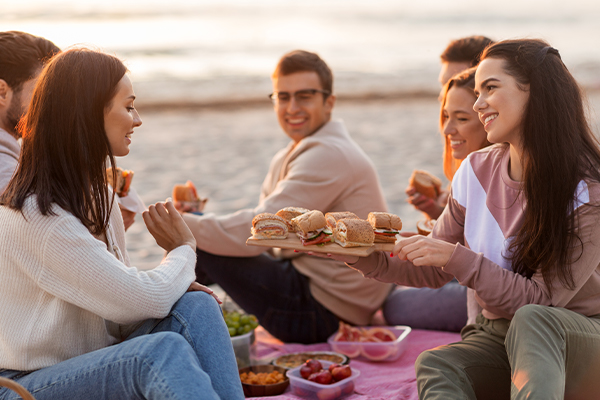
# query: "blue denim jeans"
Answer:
x=274 y=291
x=443 y=309
x=187 y=355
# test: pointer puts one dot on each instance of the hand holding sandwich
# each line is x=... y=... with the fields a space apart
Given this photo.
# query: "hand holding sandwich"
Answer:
x=423 y=251
x=168 y=227
x=425 y=193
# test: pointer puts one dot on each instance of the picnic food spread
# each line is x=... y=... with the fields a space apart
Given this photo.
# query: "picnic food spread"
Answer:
x=317 y=232
x=313 y=371
x=294 y=360
x=425 y=183
x=123 y=181
x=261 y=378
x=239 y=323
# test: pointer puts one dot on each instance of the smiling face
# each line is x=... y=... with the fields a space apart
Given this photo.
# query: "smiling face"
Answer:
x=300 y=119
x=461 y=124
x=501 y=102
x=120 y=118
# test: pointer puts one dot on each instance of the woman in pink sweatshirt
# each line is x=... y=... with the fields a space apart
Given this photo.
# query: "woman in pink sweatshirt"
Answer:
x=522 y=232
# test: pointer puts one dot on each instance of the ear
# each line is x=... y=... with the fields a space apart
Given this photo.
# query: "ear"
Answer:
x=329 y=103
x=5 y=94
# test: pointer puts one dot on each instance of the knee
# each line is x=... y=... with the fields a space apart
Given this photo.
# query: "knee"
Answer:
x=199 y=306
x=157 y=344
x=427 y=360
x=529 y=316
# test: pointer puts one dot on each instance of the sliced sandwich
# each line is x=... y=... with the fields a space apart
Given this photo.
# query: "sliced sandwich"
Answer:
x=425 y=226
x=269 y=226
x=425 y=183
x=354 y=233
x=311 y=228
x=385 y=226
x=333 y=217
x=288 y=213
x=123 y=180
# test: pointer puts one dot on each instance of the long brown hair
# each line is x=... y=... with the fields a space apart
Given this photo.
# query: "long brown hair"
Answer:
x=65 y=148
x=465 y=80
x=559 y=150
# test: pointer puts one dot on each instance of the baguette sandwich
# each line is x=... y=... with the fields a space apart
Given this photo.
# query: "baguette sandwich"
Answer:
x=288 y=213
x=333 y=217
x=269 y=226
x=311 y=228
x=385 y=226
x=354 y=233
x=425 y=226
x=123 y=180
x=185 y=192
x=425 y=183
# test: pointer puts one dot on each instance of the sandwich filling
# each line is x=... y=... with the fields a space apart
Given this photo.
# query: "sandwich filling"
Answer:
x=319 y=236
x=269 y=228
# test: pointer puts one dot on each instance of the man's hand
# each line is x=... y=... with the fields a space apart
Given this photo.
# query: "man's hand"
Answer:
x=128 y=217
x=168 y=228
x=423 y=250
x=432 y=207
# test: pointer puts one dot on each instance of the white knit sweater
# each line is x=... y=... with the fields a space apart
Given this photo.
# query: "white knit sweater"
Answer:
x=63 y=293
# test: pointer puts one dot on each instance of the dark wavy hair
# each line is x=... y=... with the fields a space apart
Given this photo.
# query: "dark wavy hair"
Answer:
x=301 y=61
x=559 y=150
x=65 y=149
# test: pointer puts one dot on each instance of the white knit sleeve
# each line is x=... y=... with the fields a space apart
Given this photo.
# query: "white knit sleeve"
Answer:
x=77 y=268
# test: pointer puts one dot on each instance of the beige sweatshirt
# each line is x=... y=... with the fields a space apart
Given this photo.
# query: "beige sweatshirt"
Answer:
x=9 y=157
x=326 y=171
x=64 y=293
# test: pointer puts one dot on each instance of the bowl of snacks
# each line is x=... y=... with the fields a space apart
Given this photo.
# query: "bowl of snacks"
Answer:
x=241 y=329
x=263 y=380
x=373 y=343
x=293 y=360
x=322 y=380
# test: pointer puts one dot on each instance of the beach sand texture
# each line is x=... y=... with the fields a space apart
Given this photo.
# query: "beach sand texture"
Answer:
x=226 y=153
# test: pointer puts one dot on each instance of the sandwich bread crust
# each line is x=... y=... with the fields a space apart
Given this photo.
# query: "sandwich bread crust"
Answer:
x=311 y=221
x=425 y=183
x=269 y=226
x=354 y=233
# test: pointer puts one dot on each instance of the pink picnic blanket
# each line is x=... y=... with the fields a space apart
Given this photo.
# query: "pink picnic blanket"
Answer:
x=385 y=380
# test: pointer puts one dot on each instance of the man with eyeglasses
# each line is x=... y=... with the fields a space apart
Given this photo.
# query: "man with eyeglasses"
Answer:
x=298 y=298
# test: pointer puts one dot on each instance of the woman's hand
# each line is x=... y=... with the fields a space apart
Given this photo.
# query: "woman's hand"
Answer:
x=338 y=257
x=432 y=207
x=168 y=228
x=423 y=251
x=196 y=287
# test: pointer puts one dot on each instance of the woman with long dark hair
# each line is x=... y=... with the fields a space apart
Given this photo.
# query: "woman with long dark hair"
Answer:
x=522 y=232
x=78 y=322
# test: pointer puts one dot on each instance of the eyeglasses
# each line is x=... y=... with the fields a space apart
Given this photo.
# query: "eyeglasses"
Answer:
x=302 y=97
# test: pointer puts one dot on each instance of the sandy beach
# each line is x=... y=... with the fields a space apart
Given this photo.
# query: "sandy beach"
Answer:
x=226 y=152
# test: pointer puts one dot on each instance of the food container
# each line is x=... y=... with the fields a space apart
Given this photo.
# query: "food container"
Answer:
x=374 y=351
x=264 y=390
x=311 y=390
x=243 y=348
x=293 y=360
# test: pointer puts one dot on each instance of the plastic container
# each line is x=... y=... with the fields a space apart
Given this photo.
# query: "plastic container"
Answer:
x=374 y=351
x=243 y=349
x=311 y=390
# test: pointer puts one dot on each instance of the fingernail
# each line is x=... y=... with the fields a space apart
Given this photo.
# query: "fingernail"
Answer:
x=169 y=199
x=295 y=251
x=391 y=254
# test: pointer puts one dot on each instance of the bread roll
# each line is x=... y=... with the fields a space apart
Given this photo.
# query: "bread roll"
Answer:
x=425 y=183
x=185 y=192
x=425 y=226
x=288 y=213
x=353 y=233
x=309 y=223
x=269 y=226
x=385 y=226
x=123 y=182
x=333 y=217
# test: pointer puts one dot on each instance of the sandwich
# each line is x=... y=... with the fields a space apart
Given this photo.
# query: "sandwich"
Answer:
x=425 y=183
x=425 y=226
x=185 y=192
x=385 y=226
x=123 y=180
x=311 y=228
x=288 y=213
x=354 y=233
x=333 y=217
x=269 y=226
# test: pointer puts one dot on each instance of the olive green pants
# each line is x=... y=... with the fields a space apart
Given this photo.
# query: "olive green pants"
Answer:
x=544 y=353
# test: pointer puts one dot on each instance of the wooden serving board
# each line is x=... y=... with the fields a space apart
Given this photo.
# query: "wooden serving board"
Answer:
x=294 y=243
x=387 y=247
